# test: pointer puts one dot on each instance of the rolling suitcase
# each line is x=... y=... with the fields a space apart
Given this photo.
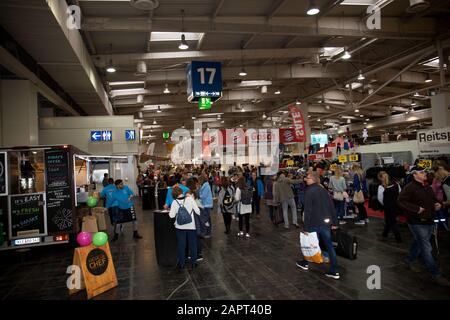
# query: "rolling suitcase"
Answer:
x=346 y=245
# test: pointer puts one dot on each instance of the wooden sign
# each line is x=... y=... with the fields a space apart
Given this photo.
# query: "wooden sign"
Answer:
x=342 y=159
x=97 y=269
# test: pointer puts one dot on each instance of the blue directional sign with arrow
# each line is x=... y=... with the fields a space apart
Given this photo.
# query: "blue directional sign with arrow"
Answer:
x=101 y=135
x=130 y=135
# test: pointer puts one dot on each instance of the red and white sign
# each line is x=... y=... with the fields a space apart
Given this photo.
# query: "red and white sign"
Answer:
x=299 y=123
x=288 y=136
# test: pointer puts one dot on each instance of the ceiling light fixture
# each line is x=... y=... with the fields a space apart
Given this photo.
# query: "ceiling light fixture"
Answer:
x=298 y=102
x=413 y=104
x=166 y=89
x=159 y=110
x=318 y=120
x=278 y=91
x=416 y=94
x=194 y=117
x=361 y=116
x=242 y=73
x=154 y=121
x=183 y=44
x=361 y=76
x=110 y=68
x=264 y=116
x=367 y=119
x=346 y=55
x=428 y=79
x=356 y=110
x=313 y=9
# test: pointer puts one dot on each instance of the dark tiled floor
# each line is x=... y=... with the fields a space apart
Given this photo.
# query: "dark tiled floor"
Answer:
x=262 y=267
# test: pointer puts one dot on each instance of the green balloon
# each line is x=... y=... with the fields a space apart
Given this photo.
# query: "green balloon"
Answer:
x=92 y=201
x=100 y=239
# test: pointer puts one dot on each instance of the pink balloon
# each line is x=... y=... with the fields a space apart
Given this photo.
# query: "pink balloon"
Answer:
x=84 y=239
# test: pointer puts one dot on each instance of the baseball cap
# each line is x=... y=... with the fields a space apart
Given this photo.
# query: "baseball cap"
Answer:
x=416 y=169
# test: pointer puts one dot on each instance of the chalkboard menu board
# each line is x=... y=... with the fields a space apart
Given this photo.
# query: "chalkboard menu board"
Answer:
x=3 y=174
x=59 y=201
x=27 y=215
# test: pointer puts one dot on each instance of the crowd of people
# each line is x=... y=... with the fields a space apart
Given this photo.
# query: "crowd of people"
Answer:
x=323 y=199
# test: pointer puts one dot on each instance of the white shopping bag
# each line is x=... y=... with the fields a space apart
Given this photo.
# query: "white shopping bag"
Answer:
x=309 y=244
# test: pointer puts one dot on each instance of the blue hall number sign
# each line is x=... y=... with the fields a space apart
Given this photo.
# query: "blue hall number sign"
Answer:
x=204 y=79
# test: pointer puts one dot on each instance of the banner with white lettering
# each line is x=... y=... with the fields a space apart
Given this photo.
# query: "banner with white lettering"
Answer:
x=434 y=141
x=299 y=123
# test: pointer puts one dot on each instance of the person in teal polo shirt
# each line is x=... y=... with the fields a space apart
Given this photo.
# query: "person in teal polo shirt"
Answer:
x=122 y=199
x=107 y=194
x=169 y=198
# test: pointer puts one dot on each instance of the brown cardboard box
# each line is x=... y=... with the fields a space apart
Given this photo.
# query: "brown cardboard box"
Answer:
x=89 y=224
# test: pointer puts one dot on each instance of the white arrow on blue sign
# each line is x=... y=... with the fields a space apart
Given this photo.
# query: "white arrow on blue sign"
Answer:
x=130 y=135
x=101 y=135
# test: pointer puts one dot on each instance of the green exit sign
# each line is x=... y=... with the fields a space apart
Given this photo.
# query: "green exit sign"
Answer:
x=166 y=135
x=204 y=103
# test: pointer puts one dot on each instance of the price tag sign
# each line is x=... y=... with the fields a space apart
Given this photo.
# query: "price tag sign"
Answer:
x=204 y=80
x=333 y=167
x=354 y=157
x=342 y=159
x=425 y=163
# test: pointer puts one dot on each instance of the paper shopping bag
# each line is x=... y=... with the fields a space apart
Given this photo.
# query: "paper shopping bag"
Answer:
x=89 y=224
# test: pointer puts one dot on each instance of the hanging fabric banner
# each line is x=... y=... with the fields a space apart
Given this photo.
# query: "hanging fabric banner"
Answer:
x=299 y=123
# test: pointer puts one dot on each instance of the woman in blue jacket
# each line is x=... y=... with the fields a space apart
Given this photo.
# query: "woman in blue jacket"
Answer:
x=257 y=186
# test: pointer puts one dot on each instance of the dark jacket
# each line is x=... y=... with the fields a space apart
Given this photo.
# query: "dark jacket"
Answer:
x=414 y=196
x=318 y=208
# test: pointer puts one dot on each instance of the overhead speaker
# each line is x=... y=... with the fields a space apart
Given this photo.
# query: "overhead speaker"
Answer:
x=416 y=6
x=145 y=4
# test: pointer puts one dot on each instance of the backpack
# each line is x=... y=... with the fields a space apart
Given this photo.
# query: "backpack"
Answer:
x=227 y=202
x=246 y=196
x=183 y=216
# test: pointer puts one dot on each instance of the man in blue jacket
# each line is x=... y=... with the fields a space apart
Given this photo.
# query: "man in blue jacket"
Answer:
x=206 y=201
x=122 y=198
x=257 y=186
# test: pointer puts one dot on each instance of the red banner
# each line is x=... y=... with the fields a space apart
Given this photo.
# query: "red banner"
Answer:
x=288 y=136
x=299 y=123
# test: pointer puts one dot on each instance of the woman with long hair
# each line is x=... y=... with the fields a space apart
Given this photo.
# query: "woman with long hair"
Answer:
x=226 y=202
x=339 y=187
x=243 y=193
x=388 y=193
x=360 y=188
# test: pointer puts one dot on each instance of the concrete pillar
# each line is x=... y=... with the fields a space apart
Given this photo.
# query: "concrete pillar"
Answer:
x=19 y=113
x=439 y=110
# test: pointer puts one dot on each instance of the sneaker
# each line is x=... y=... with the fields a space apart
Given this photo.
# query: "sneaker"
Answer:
x=326 y=259
x=342 y=222
x=440 y=280
x=207 y=236
x=302 y=264
x=296 y=225
x=247 y=235
x=367 y=220
x=240 y=233
x=360 y=223
x=286 y=227
x=200 y=258
x=334 y=275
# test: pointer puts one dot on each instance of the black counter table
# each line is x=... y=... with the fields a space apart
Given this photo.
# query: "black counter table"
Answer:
x=165 y=239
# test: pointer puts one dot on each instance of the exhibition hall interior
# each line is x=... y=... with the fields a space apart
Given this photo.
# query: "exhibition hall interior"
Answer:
x=224 y=150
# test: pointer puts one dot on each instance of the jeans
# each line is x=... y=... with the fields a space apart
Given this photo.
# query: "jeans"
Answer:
x=245 y=216
x=422 y=247
x=324 y=233
x=340 y=208
x=191 y=237
x=205 y=219
x=255 y=204
x=361 y=211
x=285 y=205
